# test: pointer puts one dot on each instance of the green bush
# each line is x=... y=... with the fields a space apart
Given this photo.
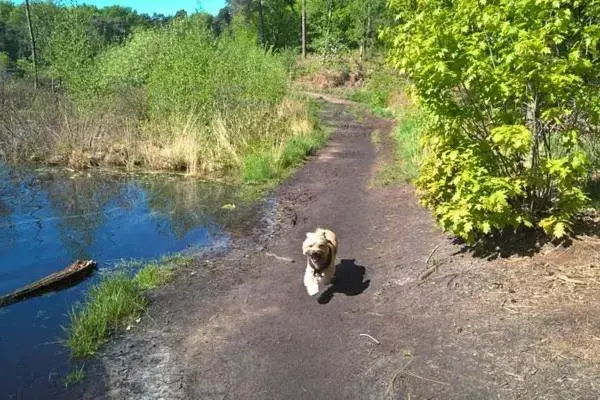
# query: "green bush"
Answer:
x=185 y=69
x=510 y=87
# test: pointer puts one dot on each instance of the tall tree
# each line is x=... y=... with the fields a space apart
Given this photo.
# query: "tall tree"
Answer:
x=327 y=29
x=32 y=39
x=304 y=28
x=261 y=22
x=4 y=60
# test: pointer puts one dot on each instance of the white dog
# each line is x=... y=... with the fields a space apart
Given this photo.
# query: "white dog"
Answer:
x=320 y=248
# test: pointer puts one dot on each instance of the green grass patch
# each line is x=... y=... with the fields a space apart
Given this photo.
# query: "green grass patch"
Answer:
x=259 y=167
x=264 y=166
x=116 y=302
x=298 y=148
x=378 y=91
x=270 y=166
x=153 y=276
x=110 y=305
x=407 y=150
x=77 y=375
x=161 y=272
x=407 y=137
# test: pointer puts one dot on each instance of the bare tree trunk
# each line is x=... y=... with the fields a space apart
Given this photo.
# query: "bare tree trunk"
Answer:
x=33 y=49
x=329 y=5
x=304 y=28
x=261 y=23
x=365 y=43
x=2 y=73
x=369 y=30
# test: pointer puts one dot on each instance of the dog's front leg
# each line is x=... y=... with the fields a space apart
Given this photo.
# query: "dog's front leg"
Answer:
x=328 y=275
x=310 y=281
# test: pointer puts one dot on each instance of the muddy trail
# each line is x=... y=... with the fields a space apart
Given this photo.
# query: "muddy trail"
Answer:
x=241 y=326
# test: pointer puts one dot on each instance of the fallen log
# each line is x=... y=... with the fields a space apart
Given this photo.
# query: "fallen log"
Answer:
x=59 y=280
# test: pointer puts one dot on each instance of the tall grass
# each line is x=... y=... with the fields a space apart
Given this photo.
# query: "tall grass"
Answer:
x=408 y=153
x=273 y=158
x=110 y=305
x=407 y=135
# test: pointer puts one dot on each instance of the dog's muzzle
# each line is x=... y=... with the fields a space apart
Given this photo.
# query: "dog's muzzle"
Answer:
x=317 y=270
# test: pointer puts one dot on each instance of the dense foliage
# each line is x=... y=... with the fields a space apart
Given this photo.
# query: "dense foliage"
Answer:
x=54 y=25
x=511 y=88
x=332 y=25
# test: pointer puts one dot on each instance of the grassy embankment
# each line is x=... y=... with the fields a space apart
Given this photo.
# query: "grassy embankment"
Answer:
x=114 y=305
x=117 y=302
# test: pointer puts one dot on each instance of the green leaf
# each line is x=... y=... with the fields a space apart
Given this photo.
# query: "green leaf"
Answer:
x=559 y=230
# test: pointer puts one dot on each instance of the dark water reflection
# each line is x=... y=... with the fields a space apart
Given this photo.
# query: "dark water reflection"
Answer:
x=48 y=219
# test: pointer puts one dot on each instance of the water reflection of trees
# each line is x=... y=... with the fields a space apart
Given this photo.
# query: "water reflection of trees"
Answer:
x=188 y=204
x=5 y=190
x=181 y=204
x=80 y=204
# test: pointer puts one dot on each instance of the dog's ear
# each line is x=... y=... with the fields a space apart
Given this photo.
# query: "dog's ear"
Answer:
x=309 y=234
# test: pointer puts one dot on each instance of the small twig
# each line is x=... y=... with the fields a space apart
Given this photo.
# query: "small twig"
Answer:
x=425 y=379
x=569 y=280
x=558 y=246
x=370 y=337
x=451 y=279
x=432 y=253
x=279 y=257
x=452 y=275
x=507 y=308
x=428 y=272
x=390 y=389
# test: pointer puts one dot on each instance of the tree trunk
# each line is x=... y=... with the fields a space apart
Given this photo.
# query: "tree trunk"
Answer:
x=365 y=43
x=33 y=49
x=2 y=86
x=329 y=5
x=261 y=23
x=304 y=28
x=368 y=42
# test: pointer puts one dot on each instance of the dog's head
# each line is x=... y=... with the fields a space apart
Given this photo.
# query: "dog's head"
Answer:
x=317 y=248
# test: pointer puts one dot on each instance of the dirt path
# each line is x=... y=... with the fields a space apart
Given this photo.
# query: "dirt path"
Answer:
x=242 y=326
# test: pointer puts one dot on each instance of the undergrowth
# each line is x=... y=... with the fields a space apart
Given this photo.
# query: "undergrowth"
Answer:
x=268 y=163
x=173 y=98
x=407 y=153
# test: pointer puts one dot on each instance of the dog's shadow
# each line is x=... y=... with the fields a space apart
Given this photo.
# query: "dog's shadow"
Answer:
x=348 y=280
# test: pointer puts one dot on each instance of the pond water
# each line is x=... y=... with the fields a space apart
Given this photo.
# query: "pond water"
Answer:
x=50 y=218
